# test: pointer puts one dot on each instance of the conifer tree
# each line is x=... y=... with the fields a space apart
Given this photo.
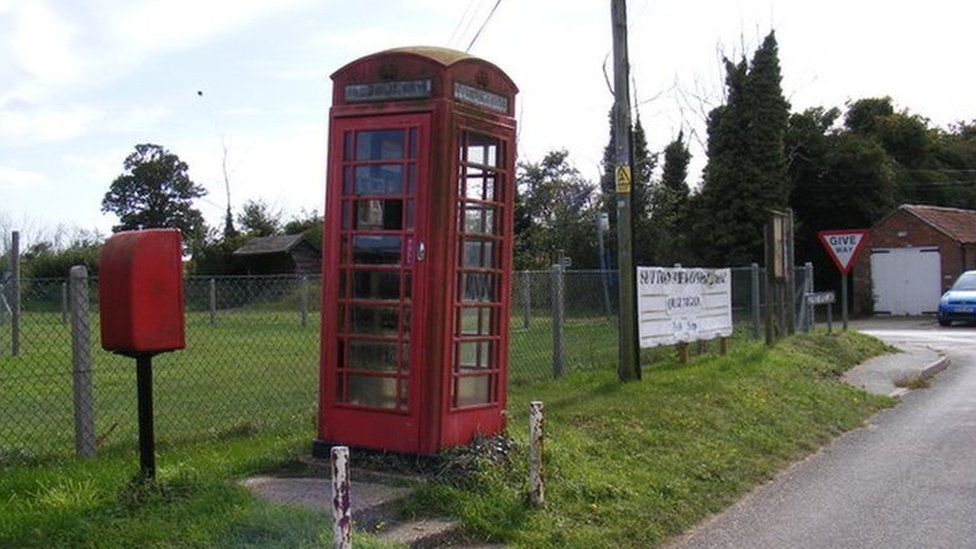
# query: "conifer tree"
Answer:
x=670 y=204
x=746 y=172
x=646 y=236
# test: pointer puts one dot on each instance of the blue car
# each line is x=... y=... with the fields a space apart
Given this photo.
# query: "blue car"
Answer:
x=959 y=302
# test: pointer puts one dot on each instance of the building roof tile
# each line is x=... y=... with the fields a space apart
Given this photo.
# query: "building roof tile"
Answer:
x=958 y=224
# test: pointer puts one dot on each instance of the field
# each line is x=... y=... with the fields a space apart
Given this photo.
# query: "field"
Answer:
x=256 y=369
x=251 y=371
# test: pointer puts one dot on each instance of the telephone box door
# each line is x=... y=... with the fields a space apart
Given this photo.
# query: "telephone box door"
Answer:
x=374 y=278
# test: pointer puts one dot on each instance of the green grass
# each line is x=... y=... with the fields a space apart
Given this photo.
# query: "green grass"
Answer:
x=637 y=463
x=628 y=464
x=251 y=372
x=195 y=502
x=257 y=369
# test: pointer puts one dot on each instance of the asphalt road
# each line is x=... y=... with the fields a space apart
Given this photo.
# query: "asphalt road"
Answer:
x=908 y=479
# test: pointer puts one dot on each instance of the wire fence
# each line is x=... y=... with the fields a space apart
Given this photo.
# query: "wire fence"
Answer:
x=252 y=356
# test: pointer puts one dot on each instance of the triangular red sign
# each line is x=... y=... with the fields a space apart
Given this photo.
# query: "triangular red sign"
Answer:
x=844 y=246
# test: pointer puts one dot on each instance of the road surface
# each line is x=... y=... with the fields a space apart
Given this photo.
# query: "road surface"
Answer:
x=906 y=480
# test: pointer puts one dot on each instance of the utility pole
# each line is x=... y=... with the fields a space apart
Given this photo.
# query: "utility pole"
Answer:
x=628 y=366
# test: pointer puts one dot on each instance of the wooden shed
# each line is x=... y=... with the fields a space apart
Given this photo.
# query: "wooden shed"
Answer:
x=280 y=254
x=912 y=256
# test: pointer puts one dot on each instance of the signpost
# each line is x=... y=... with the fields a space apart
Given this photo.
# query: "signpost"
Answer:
x=820 y=298
x=778 y=260
x=844 y=246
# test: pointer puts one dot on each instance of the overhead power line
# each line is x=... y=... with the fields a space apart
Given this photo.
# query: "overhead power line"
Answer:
x=464 y=16
x=483 y=25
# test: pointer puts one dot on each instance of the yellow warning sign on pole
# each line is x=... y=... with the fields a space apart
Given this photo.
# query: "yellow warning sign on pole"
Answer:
x=623 y=179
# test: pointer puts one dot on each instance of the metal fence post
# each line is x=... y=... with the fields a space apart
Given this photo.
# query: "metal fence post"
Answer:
x=558 y=360
x=526 y=299
x=304 y=301
x=81 y=362
x=213 y=302
x=756 y=313
x=15 y=293
x=64 y=303
x=537 y=477
x=341 y=505
x=808 y=310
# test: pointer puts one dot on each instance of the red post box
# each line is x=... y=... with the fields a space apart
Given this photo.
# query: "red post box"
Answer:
x=140 y=301
x=418 y=251
x=140 y=292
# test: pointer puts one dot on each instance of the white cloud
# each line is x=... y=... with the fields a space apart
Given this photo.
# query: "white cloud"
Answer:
x=154 y=26
x=46 y=124
x=13 y=177
x=283 y=166
x=42 y=44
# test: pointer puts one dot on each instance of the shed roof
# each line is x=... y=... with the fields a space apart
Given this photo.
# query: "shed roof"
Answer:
x=269 y=244
x=957 y=224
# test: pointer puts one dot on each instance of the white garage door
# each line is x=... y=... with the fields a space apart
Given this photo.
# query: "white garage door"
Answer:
x=907 y=281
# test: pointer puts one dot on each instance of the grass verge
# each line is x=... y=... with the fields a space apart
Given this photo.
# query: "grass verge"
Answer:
x=637 y=463
x=195 y=502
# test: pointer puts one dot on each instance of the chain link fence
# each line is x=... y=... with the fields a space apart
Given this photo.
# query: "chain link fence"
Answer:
x=251 y=361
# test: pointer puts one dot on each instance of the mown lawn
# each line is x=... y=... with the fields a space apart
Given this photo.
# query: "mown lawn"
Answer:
x=635 y=464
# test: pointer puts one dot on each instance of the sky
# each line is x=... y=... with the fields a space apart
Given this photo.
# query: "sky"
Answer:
x=81 y=83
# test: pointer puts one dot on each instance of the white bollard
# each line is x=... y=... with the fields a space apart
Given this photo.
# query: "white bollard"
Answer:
x=537 y=480
x=341 y=506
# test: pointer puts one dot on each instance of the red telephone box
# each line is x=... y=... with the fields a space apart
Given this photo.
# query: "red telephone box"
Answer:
x=418 y=252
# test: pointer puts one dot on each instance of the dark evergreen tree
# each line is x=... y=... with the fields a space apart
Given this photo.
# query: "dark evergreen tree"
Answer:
x=669 y=205
x=608 y=191
x=642 y=190
x=646 y=236
x=229 y=230
x=746 y=172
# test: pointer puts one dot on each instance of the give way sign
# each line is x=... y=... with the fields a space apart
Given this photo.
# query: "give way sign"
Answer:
x=844 y=246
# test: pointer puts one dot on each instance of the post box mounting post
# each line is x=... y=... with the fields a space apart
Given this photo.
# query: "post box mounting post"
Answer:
x=147 y=442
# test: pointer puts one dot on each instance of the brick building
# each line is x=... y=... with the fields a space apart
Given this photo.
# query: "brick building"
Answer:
x=911 y=257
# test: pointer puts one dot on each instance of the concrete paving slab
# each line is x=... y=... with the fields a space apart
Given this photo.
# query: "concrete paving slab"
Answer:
x=422 y=533
x=880 y=374
x=316 y=493
x=374 y=508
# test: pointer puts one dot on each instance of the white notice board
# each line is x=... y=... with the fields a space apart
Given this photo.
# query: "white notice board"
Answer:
x=683 y=305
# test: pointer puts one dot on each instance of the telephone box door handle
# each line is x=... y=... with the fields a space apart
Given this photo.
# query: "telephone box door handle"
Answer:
x=421 y=251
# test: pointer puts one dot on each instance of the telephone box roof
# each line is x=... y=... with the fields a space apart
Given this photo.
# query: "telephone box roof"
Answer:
x=445 y=57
